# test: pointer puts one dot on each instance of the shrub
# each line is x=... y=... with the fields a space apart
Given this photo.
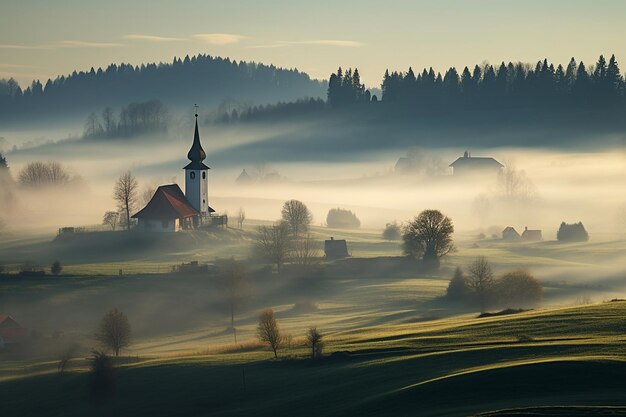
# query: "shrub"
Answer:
x=518 y=288
x=56 y=268
x=392 y=231
x=342 y=219
x=102 y=374
x=457 y=288
x=574 y=232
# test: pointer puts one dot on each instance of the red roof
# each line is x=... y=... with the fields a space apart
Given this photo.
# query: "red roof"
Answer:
x=13 y=334
x=168 y=202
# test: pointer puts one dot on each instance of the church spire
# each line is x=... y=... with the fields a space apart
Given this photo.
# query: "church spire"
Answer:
x=196 y=154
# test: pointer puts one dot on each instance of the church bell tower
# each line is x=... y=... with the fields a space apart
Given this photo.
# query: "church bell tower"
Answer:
x=197 y=176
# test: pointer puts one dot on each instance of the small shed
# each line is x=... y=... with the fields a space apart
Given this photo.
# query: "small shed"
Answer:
x=336 y=249
x=531 y=235
x=510 y=234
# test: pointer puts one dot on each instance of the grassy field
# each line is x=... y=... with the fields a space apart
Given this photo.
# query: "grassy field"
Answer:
x=393 y=346
x=450 y=367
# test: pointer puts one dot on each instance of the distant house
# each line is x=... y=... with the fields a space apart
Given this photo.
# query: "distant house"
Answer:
x=510 y=234
x=335 y=249
x=168 y=211
x=531 y=235
x=469 y=165
x=243 y=178
x=11 y=333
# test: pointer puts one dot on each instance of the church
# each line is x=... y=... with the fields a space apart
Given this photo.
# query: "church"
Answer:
x=171 y=210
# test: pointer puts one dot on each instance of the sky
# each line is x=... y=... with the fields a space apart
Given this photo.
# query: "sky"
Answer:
x=40 y=39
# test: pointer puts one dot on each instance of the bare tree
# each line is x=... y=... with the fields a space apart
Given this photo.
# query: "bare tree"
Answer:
x=111 y=219
x=40 y=174
x=480 y=281
x=233 y=282
x=108 y=120
x=305 y=251
x=514 y=185
x=147 y=192
x=125 y=193
x=297 y=216
x=114 y=331
x=314 y=342
x=429 y=237
x=269 y=332
x=274 y=243
x=93 y=128
x=241 y=217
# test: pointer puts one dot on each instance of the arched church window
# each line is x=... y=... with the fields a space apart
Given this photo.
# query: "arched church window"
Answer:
x=192 y=175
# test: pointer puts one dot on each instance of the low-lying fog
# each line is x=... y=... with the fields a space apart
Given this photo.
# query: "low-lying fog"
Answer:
x=559 y=186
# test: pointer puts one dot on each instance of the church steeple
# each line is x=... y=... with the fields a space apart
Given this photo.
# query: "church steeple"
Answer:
x=196 y=154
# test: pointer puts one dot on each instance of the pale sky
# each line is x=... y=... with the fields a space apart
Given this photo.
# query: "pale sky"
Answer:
x=44 y=38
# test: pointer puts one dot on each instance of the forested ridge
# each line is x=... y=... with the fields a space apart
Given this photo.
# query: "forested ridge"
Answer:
x=201 y=79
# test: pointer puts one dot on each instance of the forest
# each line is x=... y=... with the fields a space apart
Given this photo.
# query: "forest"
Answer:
x=201 y=79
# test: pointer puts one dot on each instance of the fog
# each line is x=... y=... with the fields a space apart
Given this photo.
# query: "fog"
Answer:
x=573 y=185
x=554 y=185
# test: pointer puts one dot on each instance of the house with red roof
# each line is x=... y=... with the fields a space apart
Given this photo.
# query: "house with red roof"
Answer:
x=11 y=332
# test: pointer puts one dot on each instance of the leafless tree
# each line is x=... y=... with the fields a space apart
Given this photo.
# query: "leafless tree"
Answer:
x=269 y=332
x=40 y=174
x=93 y=127
x=274 y=243
x=297 y=216
x=306 y=251
x=125 y=193
x=147 y=192
x=233 y=282
x=108 y=120
x=314 y=342
x=111 y=219
x=514 y=185
x=114 y=331
x=480 y=281
x=241 y=217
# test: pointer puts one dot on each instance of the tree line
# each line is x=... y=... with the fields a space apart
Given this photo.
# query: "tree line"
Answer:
x=511 y=85
x=179 y=82
x=134 y=119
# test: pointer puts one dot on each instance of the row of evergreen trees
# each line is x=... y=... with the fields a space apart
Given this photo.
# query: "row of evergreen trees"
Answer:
x=509 y=85
x=346 y=88
x=180 y=82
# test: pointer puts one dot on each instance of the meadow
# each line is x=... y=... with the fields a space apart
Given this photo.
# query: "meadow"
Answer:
x=393 y=345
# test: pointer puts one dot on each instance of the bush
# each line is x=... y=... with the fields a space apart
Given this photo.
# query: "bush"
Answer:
x=102 y=374
x=56 y=268
x=392 y=231
x=457 y=288
x=574 y=232
x=314 y=342
x=342 y=219
x=518 y=288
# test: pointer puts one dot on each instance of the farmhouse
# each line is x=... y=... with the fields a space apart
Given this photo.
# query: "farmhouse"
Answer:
x=510 y=234
x=469 y=165
x=531 y=235
x=335 y=249
x=11 y=333
x=171 y=210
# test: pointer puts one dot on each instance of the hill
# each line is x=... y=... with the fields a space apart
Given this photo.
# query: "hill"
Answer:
x=201 y=79
x=454 y=367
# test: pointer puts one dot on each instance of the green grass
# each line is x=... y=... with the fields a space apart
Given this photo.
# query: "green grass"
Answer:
x=455 y=367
